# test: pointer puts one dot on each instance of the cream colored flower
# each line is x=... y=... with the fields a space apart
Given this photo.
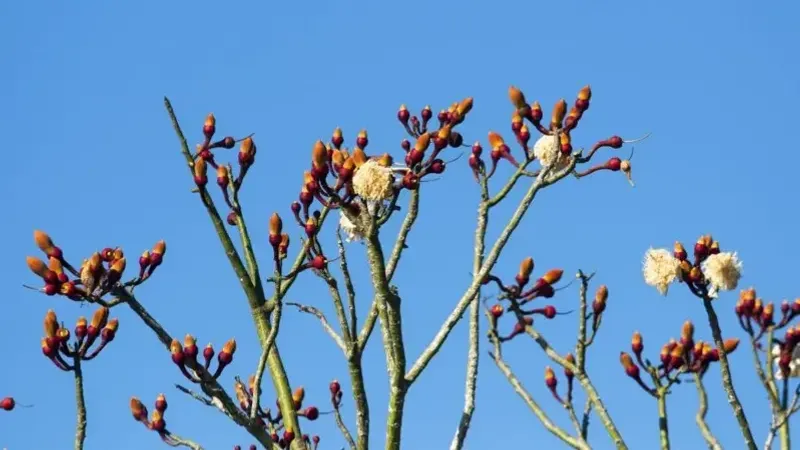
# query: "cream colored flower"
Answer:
x=660 y=268
x=794 y=364
x=548 y=151
x=373 y=181
x=722 y=270
x=352 y=231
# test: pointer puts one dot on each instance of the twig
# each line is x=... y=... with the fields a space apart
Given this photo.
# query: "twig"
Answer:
x=663 y=423
x=343 y=428
x=173 y=440
x=324 y=321
x=348 y=284
x=702 y=410
x=727 y=381
x=542 y=181
x=473 y=351
x=587 y=414
x=587 y=385
x=557 y=431
x=80 y=401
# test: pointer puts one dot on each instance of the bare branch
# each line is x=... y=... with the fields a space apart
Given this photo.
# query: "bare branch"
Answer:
x=324 y=321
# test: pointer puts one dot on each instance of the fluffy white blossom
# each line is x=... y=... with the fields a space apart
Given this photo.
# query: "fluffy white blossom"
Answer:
x=548 y=151
x=794 y=364
x=351 y=231
x=723 y=271
x=660 y=268
x=373 y=182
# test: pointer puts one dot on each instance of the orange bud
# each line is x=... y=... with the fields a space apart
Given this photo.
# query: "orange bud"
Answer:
x=627 y=363
x=160 y=248
x=189 y=341
x=299 y=394
x=730 y=345
x=495 y=140
x=112 y=325
x=602 y=294
x=423 y=142
x=748 y=295
x=444 y=132
x=137 y=409
x=81 y=322
x=559 y=111
x=464 y=107
x=679 y=251
x=62 y=334
x=248 y=148
x=211 y=121
x=100 y=317
x=337 y=157
x=222 y=173
x=526 y=267
x=117 y=254
x=118 y=266
x=175 y=347
x=636 y=343
x=695 y=274
x=319 y=155
x=37 y=266
x=50 y=323
x=359 y=157
x=517 y=97
x=550 y=377
x=200 y=168
x=552 y=276
x=536 y=109
x=337 y=133
x=687 y=331
x=275 y=225
x=686 y=267
x=385 y=160
x=349 y=163
x=585 y=93
x=570 y=359
x=230 y=346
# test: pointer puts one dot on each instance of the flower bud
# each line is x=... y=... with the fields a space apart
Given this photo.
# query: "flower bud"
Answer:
x=679 y=252
x=298 y=395
x=99 y=318
x=222 y=176
x=161 y=403
x=568 y=373
x=550 y=378
x=311 y=413
x=138 y=410
x=517 y=98
x=553 y=276
x=210 y=126
x=559 y=111
x=50 y=324
x=157 y=422
x=637 y=345
x=631 y=369
x=403 y=115
x=200 y=172
x=247 y=152
x=495 y=140
x=109 y=331
x=496 y=311
x=37 y=266
x=335 y=387
x=80 y=327
x=600 y=297
x=729 y=345
x=7 y=404
x=176 y=350
x=226 y=354
x=525 y=270
x=337 y=139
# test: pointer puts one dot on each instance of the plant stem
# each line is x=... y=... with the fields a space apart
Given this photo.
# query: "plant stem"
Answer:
x=727 y=380
x=702 y=410
x=470 y=385
x=663 y=424
x=80 y=428
x=786 y=439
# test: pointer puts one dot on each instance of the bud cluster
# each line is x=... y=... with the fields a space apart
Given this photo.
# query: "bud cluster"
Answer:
x=186 y=358
x=752 y=310
x=56 y=341
x=245 y=396
x=685 y=355
x=519 y=293
x=96 y=276
x=154 y=421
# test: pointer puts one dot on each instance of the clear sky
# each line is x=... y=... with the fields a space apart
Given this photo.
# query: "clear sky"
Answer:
x=90 y=157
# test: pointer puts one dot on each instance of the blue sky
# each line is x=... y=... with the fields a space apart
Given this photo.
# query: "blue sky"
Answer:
x=91 y=158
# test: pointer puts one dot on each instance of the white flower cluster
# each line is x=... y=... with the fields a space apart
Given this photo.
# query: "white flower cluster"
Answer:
x=660 y=269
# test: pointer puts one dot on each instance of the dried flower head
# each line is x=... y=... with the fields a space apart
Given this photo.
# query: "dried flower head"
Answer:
x=723 y=271
x=373 y=181
x=351 y=230
x=660 y=268
x=547 y=150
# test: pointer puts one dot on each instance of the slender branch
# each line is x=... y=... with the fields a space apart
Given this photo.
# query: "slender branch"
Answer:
x=587 y=414
x=80 y=402
x=343 y=428
x=663 y=424
x=542 y=181
x=348 y=285
x=473 y=351
x=702 y=411
x=247 y=246
x=323 y=320
x=537 y=410
x=255 y=297
x=587 y=385
x=210 y=386
x=402 y=236
x=727 y=380
x=174 y=440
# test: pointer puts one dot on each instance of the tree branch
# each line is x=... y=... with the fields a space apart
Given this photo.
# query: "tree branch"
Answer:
x=433 y=348
x=557 y=431
x=727 y=380
x=702 y=411
x=80 y=402
x=323 y=320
